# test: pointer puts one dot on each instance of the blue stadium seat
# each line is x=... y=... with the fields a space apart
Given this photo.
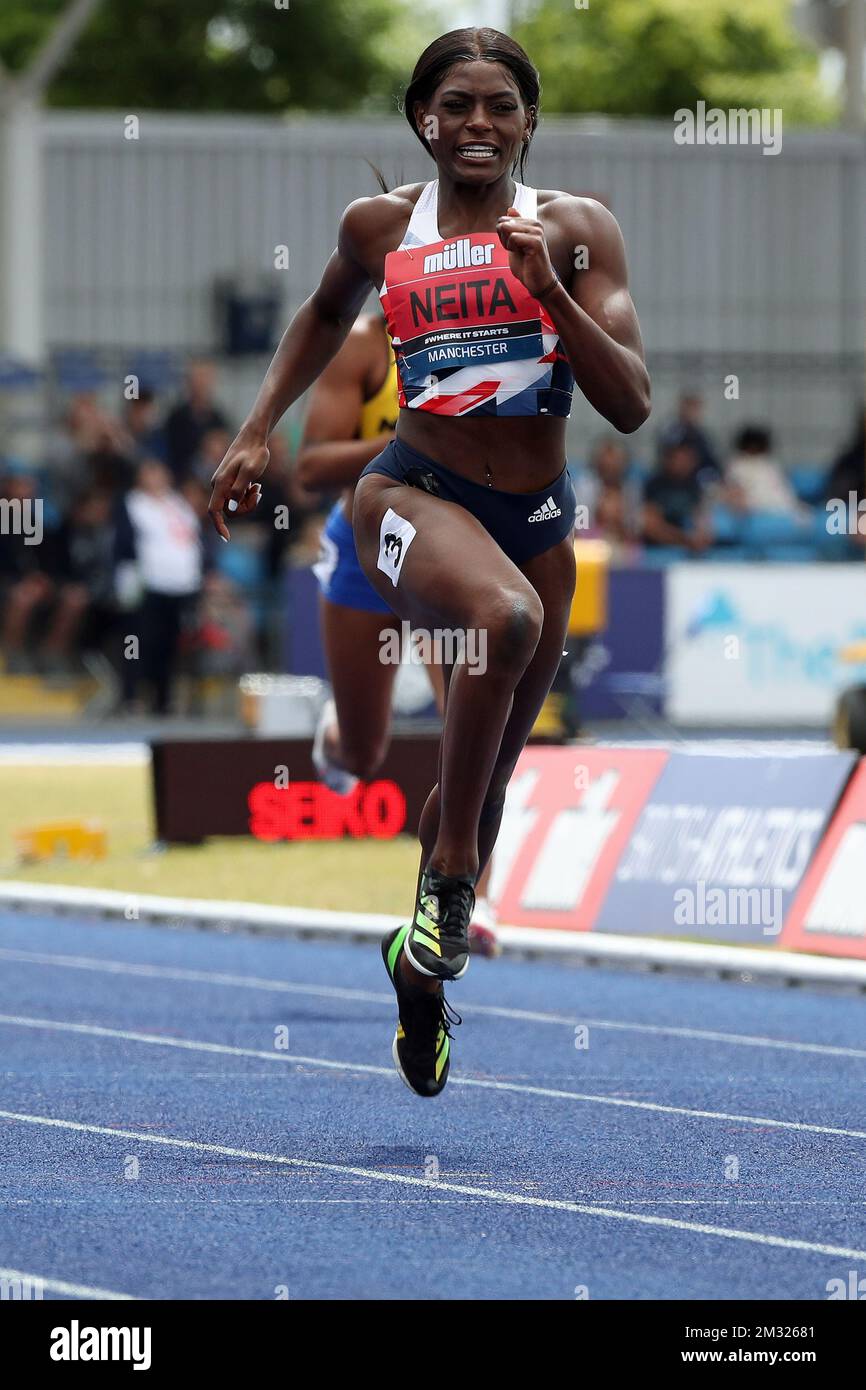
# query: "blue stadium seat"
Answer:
x=726 y=525
x=808 y=482
x=729 y=554
x=158 y=369
x=803 y=553
x=830 y=546
x=764 y=531
x=78 y=369
x=657 y=556
x=15 y=375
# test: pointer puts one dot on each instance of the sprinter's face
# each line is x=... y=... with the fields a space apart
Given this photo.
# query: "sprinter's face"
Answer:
x=475 y=122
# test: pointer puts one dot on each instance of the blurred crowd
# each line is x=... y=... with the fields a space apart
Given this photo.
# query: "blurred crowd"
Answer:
x=741 y=503
x=126 y=580
x=129 y=580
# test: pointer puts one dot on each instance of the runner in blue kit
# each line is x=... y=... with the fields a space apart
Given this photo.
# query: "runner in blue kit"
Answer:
x=465 y=520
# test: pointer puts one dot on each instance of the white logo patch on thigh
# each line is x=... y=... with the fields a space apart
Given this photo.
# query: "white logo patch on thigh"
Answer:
x=395 y=537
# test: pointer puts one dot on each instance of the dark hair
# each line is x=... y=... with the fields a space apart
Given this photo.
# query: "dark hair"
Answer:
x=466 y=46
x=674 y=443
x=753 y=437
x=379 y=176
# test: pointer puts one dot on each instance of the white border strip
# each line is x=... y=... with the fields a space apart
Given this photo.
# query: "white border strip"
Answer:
x=594 y=948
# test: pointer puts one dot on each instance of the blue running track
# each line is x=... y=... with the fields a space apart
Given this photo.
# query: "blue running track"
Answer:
x=192 y=1115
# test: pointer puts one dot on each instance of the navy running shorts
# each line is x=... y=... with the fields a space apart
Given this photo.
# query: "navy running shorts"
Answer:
x=523 y=524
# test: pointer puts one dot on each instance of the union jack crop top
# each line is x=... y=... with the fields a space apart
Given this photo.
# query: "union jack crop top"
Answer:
x=468 y=337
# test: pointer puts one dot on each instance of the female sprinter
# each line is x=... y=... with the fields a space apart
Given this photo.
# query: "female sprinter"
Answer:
x=352 y=415
x=465 y=520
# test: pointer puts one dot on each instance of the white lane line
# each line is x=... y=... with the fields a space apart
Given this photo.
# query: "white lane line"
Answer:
x=74 y=754
x=330 y=1064
x=210 y=977
x=437 y=1185
x=188 y=1201
x=664 y=1030
x=17 y=1276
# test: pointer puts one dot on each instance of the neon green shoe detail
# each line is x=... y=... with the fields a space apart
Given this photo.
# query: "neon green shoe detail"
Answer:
x=395 y=948
x=421 y=1048
x=424 y=940
x=422 y=920
x=443 y=1052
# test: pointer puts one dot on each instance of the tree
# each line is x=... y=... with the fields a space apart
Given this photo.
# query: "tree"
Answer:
x=214 y=55
x=624 y=57
x=652 y=57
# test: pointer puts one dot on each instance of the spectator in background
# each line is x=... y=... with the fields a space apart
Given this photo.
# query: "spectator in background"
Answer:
x=194 y=415
x=673 y=502
x=848 y=472
x=267 y=532
x=85 y=558
x=87 y=448
x=42 y=607
x=160 y=564
x=612 y=500
x=223 y=641
x=210 y=453
x=111 y=465
x=145 y=436
x=756 y=482
x=276 y=509
x=77 y=432
x=308 y=514
x=197 y=494
x=688 y=428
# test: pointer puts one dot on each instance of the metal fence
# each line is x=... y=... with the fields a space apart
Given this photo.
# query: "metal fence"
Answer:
x=741 y=263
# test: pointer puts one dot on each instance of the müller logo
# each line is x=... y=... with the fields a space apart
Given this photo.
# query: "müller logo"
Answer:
x=457 y=255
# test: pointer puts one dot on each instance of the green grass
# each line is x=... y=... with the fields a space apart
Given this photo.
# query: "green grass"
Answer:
x=360 y=875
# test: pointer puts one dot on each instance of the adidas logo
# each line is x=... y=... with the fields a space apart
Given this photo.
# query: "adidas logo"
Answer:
x=546 y=511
